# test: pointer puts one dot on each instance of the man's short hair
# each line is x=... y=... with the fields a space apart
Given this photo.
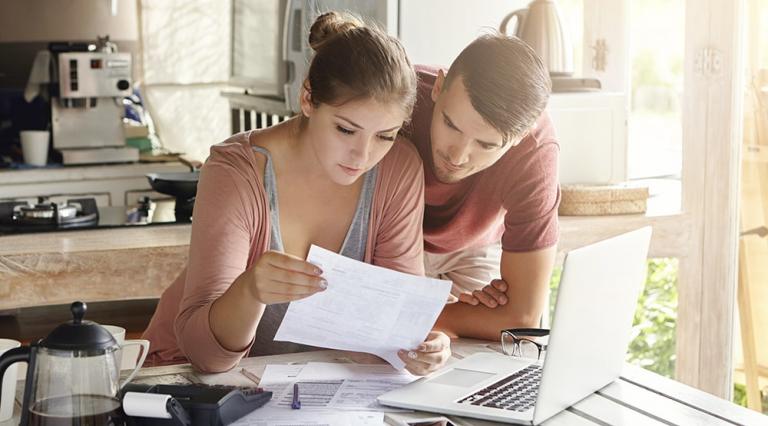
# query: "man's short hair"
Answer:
x=507 y=83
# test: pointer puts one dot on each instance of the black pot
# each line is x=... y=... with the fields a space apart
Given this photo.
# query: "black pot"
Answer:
x=182 y=186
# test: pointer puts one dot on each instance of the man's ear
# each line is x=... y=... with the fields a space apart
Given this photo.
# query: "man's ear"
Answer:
x=305 y=99
x=525 y=134
x=438 y=87
x=530 y=130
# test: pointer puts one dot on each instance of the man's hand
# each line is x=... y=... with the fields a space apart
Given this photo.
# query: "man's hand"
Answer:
x=492 y=295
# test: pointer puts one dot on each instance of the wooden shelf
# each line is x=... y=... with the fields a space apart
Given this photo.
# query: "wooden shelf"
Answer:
x=671 y=233
x=672 y=229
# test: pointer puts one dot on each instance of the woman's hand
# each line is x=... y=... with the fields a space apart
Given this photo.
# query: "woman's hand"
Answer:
x=280 y=278
x=430 y=355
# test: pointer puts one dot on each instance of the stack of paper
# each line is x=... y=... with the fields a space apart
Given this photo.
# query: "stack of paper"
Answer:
x=329 y=394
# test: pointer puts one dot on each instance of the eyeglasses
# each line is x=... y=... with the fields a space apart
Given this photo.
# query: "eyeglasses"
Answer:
x=523 y=342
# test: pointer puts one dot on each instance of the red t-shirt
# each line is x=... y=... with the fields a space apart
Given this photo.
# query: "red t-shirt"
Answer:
x=515 y=200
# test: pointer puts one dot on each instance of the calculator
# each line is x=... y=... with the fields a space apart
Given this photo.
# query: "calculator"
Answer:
x=201 y=404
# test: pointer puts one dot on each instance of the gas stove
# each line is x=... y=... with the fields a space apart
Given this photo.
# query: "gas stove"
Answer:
x=19 y=217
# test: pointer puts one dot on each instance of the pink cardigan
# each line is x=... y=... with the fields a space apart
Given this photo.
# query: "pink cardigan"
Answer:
x=230 y=231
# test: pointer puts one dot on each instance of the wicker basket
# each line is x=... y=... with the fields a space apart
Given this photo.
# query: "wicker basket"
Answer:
x=598 y=200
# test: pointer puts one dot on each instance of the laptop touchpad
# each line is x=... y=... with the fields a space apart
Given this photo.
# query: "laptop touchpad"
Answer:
x=460 y=377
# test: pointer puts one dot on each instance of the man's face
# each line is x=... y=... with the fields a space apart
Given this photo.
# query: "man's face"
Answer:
x=463 y=143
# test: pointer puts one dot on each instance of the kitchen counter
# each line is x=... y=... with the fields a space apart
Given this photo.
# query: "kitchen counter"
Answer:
x=140 y=262
x=76 y=241
x=94 y=265
x=86 y=172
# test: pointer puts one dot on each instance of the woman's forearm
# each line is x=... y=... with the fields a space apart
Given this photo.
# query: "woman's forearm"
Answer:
x=235 y=315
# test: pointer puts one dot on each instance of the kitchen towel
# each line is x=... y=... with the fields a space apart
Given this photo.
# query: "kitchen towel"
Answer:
x=38 y=76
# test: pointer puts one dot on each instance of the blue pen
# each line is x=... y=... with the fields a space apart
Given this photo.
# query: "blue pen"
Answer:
x=296 y=403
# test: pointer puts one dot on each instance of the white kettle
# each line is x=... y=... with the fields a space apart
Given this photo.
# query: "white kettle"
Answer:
x=540 y=26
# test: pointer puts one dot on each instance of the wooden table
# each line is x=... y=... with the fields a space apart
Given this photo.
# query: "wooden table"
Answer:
x=639 y=397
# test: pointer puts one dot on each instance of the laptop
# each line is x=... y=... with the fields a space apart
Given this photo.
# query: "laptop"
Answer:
x=590 y=331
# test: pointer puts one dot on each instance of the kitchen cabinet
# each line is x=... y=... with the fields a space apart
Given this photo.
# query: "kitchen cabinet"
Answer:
x=435 y=31
x=591 y=128
x=110 y=185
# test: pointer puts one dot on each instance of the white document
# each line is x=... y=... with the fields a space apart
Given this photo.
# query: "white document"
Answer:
x=278 y=378
x=338 y=370
x=268 y=416
x=333 y=385
x=280 y=373
x=365 y=308
x=359 y=385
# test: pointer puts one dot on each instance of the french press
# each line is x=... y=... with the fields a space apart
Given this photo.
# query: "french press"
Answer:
x=73 y=375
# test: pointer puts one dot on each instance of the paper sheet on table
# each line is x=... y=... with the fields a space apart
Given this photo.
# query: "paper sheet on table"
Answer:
x=278 y=378
x=269 y=416
x=365 y=308
x=337 y=370
x=333 y=386
x=361 y=385
x=280 y=373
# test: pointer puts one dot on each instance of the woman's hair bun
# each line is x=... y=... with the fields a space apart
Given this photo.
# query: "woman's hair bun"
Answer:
x=330 y=24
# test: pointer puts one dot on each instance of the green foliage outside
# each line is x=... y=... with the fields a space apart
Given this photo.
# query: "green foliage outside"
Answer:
x=740 y=396
x=653 y=332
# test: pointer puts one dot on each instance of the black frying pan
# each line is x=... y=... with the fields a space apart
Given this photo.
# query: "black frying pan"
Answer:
x=181 y=185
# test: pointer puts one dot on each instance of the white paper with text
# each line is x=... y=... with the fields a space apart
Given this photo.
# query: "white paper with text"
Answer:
x=365 y=308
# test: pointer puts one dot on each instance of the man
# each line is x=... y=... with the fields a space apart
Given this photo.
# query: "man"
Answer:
x=490 y=165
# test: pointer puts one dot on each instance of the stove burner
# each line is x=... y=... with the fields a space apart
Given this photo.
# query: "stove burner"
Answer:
x=75 y=213
x=44 y=210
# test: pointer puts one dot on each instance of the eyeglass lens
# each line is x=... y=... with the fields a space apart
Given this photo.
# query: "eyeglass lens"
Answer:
x=519 y=347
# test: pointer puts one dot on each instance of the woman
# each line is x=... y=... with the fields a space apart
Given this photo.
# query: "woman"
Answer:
x=335 y=176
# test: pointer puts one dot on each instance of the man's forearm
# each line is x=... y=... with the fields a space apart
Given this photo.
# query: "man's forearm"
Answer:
x=527 y=277
x=482 y=322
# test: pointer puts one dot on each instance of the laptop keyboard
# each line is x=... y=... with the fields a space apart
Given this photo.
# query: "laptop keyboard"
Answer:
x=516 y=392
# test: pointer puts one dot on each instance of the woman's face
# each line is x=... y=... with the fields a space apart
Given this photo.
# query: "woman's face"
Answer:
x=349 y=139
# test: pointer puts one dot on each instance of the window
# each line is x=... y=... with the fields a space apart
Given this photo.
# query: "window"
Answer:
x=656 y=86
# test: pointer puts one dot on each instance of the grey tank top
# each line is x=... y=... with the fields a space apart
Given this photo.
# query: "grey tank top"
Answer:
x=353 y=247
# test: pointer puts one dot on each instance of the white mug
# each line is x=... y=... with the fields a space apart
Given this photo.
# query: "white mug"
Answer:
x=9 y=381
x=34 y=146
x=127 y=359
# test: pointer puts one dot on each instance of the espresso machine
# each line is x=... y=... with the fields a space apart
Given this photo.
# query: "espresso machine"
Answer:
x=86 y=104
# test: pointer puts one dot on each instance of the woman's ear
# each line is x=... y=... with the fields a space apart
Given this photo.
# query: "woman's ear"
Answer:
x=305 y=99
